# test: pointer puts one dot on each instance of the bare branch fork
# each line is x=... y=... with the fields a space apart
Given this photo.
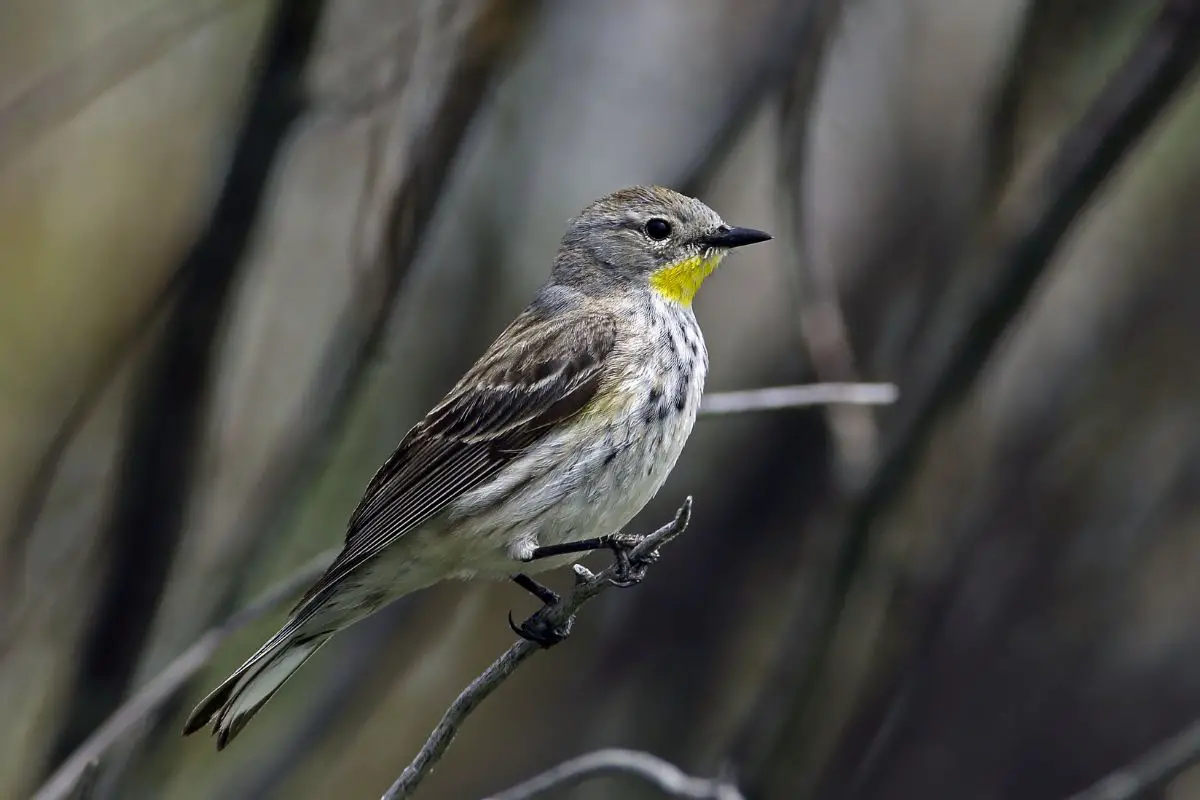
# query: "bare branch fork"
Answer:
x=555 y=616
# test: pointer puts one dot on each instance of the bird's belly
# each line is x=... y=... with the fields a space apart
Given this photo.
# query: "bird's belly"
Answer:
x=588 y=480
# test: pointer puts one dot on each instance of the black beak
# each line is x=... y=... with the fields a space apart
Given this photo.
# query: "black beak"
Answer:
x=728 y=237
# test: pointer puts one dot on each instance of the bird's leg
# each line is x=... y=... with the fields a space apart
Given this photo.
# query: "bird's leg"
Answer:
x=543 y=593
x=628 y=573
x=568 y=548
x=536 y=629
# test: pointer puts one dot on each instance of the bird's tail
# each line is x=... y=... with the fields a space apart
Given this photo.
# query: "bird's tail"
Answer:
x=244 y=692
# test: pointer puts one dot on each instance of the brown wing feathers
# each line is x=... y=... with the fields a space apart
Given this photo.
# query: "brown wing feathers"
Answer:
x=509 y=400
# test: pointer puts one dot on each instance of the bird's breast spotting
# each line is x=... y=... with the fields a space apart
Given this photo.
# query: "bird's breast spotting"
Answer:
x=592 y=475
x=642 y=436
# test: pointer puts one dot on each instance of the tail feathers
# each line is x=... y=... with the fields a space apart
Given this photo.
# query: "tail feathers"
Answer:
x=244 y=692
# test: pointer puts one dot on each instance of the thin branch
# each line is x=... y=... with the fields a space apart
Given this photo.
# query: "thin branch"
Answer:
x=1151 y=772
x=560 y=615
x=813 y=394
x=164 y=685
x=663 y=775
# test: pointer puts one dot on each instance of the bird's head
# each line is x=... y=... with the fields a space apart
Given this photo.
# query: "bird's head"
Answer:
x=647 y=236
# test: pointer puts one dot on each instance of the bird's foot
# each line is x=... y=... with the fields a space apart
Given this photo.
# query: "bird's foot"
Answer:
x=630 y=571
x=540 y=630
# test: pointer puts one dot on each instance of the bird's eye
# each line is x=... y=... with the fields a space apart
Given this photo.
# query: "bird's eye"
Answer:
x=658 y=229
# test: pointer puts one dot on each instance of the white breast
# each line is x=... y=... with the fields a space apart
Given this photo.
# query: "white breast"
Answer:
x=592 y=477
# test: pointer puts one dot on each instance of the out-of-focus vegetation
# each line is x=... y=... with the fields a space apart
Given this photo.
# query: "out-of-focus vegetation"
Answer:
x=245 y=244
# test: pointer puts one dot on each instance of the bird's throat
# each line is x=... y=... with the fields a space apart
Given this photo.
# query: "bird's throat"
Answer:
x=680 y=281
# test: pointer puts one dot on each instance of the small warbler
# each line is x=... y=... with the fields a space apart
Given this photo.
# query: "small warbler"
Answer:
x=547 y=447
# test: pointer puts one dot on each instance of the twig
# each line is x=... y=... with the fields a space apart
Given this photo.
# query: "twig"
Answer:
x=1151 y=772
x=559 y=615
x=813 y=394
x=663 y=775
x=146 y=700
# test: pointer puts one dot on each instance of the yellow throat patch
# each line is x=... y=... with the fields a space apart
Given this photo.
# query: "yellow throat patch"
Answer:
x=680 y=281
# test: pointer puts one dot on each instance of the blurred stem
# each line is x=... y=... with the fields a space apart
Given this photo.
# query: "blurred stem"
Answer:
x=145 y=701
x=36 y=491
x=170 y=408
x=802 y=28
x=663 y=775
x=813 y=280
x=1040 y=216
x=1152 y=772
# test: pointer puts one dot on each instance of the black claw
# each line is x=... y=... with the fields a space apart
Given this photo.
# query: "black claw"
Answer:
x=537 y=630
x=630 y=576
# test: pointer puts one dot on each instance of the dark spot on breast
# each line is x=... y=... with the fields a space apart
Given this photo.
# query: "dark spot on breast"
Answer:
x=612 y=456
x=655 y=393
x=680 y=401
x=692 y=346
x=648 y=416
x=664 y=411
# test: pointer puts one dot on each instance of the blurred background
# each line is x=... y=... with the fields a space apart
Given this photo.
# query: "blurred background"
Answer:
x=244 y=245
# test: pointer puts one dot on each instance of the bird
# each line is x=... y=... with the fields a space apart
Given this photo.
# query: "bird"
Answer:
x=548 y=446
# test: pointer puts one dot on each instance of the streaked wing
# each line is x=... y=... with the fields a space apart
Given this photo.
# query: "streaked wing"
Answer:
x=539 y=372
